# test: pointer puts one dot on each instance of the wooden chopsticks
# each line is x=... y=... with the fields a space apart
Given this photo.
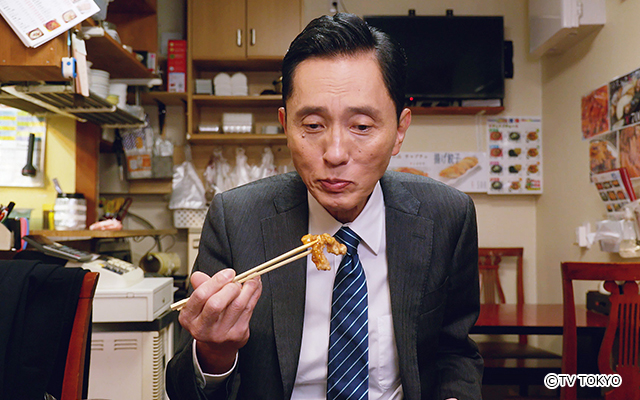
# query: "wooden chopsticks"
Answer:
x=263 y=268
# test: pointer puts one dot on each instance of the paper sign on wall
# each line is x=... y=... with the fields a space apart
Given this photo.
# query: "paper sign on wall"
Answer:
x=465 y=171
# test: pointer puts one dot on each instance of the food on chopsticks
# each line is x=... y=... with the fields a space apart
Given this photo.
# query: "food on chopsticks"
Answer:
x=263 y=268
x=460 y=168
x=317 y=253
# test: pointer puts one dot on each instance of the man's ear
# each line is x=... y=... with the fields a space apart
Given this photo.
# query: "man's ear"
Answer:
x=282 y=117
x=403 y=125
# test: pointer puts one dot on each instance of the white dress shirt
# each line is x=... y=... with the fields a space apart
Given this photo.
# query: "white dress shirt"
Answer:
x=311 y=377
x=384 y=373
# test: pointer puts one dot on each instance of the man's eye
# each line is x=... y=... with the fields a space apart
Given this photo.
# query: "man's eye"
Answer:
x=362 y=128
x=312 y=127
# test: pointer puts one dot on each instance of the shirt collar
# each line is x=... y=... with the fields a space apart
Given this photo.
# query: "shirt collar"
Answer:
x=369 y=225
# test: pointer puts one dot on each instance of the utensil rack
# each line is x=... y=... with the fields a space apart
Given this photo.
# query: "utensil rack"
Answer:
x=62 y=100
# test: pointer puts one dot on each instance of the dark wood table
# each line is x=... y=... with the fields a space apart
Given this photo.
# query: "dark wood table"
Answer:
x=534 y=319
x=545 y=319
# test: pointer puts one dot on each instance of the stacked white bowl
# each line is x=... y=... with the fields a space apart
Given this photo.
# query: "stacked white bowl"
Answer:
x=99 y=82
x=239 y=85
x=222 y=84
x=118 y=93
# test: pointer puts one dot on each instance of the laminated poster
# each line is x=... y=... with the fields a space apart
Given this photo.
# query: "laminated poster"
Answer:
x=466 y=171
x=595 y=112
x=624 y=100
x=38 y=21
x=629 y=150
x=603 y=153
x=15 y=127
x=515 y=155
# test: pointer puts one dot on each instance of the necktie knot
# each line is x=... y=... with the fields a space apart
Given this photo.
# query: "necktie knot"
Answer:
x=349 y=238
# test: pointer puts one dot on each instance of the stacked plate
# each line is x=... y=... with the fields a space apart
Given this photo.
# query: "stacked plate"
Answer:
x=99 y=82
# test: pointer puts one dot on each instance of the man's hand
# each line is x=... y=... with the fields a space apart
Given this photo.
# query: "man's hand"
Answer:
x=217 y=316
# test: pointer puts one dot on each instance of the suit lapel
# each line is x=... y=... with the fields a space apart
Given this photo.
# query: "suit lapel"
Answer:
x=409 y=241
x=281 y=233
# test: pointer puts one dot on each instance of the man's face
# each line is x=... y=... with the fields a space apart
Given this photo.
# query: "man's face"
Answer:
x=342 y=129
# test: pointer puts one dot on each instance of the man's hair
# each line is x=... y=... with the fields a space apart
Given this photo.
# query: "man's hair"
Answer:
x=347 y=35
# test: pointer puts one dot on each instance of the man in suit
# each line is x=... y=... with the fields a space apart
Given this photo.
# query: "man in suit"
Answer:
x=270 y=338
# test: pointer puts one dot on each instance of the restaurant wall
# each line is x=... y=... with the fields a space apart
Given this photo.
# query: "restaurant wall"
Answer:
x=60 y=162
x=502 y=220
x=570 y=199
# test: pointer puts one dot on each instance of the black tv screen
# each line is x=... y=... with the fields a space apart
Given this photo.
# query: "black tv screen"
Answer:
x=449 y=58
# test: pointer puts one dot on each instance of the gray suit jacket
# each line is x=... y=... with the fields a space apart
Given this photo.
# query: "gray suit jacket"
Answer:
x=433 y=278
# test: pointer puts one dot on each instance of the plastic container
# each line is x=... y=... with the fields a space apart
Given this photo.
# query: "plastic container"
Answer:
x=70 y=212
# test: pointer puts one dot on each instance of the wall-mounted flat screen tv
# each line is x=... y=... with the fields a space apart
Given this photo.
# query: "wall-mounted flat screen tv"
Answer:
x=450 y=58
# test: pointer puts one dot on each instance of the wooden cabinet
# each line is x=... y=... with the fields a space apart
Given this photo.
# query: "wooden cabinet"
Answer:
x=243 y=29
x=248 y=36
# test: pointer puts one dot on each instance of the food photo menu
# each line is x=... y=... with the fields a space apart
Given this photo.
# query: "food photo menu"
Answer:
x=38 y=21
x=466 y=171
x=515 y=155
x=614 y=188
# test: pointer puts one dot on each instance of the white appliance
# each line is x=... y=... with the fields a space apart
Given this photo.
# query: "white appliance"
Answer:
x=130 y=365
x=556 y=25
x=142 y=301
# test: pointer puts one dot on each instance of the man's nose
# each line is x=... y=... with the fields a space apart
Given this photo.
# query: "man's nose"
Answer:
x=336 y=150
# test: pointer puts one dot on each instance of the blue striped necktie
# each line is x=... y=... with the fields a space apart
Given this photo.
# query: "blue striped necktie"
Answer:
x=348 y=367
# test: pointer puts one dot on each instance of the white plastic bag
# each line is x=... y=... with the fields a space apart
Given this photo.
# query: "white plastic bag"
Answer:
x=242 y=171
x=267 y=166
x=188 y=190
x=218 y=174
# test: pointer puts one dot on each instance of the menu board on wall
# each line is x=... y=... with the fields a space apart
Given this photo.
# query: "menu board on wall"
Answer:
x=614 y=188
x=38 y=21
x=515 y=155
x=465 y=171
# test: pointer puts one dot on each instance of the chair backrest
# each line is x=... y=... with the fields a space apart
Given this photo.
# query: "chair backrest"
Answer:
x=489 y=259
x=73 y=384
x=623 y=327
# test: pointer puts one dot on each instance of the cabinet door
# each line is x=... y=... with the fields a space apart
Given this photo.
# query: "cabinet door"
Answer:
x=273 y=24
x=218 y=29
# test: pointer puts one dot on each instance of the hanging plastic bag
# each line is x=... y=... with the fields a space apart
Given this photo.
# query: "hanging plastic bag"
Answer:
x=188 y=190
x=267 y=166
x=217 y=174
x=242 y=171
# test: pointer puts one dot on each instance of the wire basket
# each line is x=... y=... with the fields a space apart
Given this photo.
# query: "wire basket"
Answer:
x=189 y=218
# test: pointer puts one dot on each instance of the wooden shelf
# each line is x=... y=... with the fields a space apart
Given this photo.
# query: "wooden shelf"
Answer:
x=166 y=98
x=456 y=110
x=236 y=138
x=270 y=100
x=87 y=234
x=108 y=55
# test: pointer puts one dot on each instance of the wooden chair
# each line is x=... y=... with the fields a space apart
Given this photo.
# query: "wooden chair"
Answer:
x=621 y=343
x=74 y=384
x=510 y=363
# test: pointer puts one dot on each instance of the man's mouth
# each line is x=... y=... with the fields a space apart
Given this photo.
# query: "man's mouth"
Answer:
x=334 y=185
